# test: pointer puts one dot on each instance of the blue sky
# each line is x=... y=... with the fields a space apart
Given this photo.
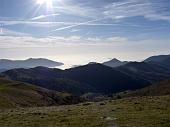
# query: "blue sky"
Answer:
x=79 y=31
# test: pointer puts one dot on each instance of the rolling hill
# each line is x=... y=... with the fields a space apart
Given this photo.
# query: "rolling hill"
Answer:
x=163 y=60
x=158 y=58
x=150 y=72
x=49 y=78
x=18 y=94
x=103 y=78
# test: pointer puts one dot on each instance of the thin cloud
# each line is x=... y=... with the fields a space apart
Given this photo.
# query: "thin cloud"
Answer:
x=50 y=41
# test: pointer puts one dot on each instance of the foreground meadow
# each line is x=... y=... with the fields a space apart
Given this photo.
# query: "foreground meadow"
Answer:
x=128 y=112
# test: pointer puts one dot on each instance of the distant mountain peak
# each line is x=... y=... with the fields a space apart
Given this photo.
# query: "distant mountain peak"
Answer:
x=33 y=58
x=92 y=63
x=114 y=63
x=116 y=60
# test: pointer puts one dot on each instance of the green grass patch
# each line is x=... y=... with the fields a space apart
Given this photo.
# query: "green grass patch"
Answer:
x=128 y=112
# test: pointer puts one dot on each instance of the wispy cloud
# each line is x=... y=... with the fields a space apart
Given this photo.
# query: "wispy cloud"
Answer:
x=149 y=9
x=75 y=9
x=152 y=10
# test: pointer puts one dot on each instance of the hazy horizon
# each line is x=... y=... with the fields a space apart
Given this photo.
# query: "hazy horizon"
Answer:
x=76 y=60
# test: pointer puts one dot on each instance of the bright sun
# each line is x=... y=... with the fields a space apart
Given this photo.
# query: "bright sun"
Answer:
x=49 y=3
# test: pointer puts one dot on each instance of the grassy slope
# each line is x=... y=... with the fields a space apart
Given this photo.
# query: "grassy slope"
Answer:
x=161 y=88
x=129 y=112
x=157 y=89
x=17 y=94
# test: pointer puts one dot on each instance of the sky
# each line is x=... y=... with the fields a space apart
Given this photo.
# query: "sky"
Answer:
x=80 y=31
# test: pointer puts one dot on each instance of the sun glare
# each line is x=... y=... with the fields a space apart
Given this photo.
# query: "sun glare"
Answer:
x=49 y=3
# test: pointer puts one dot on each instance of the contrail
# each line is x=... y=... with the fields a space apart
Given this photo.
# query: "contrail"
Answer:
x=43 y=16
x=79 y=24
x=69 y=24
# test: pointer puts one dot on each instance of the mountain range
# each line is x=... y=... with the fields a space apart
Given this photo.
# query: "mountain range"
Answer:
x=79 y=80
x=6 y=64
x=95 y=77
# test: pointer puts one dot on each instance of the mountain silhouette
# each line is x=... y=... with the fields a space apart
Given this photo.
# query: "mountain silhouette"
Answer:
x=79 y=80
